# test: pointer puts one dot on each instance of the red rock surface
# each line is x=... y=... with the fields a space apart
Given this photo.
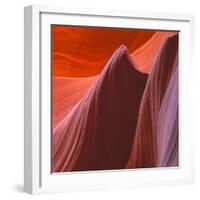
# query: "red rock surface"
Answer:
x=109 y=116
x=98 y=133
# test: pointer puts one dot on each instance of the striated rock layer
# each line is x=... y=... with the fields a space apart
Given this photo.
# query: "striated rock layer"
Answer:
x=67 y=92
x=83 y=52
x=99 y=132
x=126 y=119
x=150 y=126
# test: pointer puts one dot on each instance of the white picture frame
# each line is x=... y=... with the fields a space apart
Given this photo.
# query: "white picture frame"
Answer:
x=37 y=72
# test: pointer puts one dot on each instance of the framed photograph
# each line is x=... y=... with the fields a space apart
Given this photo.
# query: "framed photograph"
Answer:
x=107 y=99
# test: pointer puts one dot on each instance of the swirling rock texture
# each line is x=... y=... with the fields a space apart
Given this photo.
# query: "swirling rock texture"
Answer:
x=114 y=106
x=154 y=123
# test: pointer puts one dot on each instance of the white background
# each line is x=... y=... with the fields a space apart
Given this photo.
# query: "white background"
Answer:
x=11 y=99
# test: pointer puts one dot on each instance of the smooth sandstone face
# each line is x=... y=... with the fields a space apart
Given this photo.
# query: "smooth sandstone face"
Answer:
x=114 y=106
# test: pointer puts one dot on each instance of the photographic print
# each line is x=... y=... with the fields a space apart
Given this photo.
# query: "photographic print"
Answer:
x=114 y=94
